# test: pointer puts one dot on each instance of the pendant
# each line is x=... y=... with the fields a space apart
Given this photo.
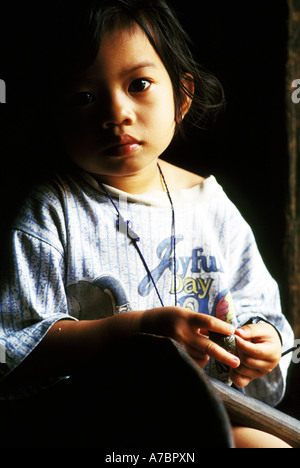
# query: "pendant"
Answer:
x=126 y=228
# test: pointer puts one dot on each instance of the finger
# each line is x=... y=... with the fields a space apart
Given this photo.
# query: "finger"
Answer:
x=239 y=380
x=205 y=346
x=259 y=360
x=259 y=347
x=254 y=350
x=209 y=323
x=204 y=332
x=244 y=371
x=200 y=358
x=247 y=332
x=195 y=353
x=260 y=331
x=257 y=356
x=202 y=362
x=262 y=367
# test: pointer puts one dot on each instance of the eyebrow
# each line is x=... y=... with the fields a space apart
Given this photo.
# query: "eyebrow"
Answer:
x=126 y=71
x=140 y=65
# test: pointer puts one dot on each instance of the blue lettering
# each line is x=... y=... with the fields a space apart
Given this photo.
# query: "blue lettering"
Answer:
x=199 y=262
x=165 y=253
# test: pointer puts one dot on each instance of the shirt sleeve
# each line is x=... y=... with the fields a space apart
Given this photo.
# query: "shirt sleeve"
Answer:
x=256 y=293
x=32 y=297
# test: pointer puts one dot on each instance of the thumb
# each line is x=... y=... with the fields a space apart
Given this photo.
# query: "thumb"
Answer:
x=246 y=332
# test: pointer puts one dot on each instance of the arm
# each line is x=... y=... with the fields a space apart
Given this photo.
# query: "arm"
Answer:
x=255 y=294
x=69 y=344
x=42 y=339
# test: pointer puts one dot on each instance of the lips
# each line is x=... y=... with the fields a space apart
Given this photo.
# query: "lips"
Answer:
x=122 y=145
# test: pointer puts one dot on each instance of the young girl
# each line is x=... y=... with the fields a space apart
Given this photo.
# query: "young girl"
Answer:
x=120 y=242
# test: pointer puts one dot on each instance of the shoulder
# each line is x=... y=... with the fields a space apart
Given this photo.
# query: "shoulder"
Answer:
x=178 y=178
x=52 y=191
x=43 y=207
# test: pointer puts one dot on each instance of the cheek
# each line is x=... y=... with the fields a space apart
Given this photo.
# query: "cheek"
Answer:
x=160 y=123
x=75 y=132
x=164 y=134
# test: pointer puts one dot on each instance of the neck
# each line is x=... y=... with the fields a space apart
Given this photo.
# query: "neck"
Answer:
x=145 y=180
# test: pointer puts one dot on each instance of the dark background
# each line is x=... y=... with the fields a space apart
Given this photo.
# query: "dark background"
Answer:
x=245 y=45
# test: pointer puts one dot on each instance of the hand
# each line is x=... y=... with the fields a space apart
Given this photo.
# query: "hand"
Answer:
x=259 y=349
x=190 y=329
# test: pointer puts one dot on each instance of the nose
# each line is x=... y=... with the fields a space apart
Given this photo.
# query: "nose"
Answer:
x=119 y=111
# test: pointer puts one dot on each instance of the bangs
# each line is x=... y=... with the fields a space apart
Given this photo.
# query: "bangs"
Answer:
x=107 y=17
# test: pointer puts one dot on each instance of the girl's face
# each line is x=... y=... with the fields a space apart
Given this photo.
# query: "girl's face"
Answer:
x=118 y=116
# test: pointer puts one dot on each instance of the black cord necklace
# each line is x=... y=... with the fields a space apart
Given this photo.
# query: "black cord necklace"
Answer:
x=127 y=228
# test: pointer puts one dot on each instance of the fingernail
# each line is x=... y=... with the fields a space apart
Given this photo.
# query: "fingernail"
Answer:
x=236 y=361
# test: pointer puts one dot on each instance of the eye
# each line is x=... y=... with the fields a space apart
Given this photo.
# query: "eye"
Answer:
x=82 y=99
x=139 y=86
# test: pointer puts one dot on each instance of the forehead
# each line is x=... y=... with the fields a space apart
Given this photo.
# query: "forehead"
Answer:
x=123 y=51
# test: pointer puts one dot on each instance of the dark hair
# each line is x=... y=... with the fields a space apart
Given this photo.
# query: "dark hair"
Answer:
x=63 y=38
x=157 y=19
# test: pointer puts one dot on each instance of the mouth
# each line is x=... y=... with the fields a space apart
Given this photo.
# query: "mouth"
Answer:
x=123 y=145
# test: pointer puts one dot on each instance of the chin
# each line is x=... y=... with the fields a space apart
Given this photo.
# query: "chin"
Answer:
x=124 y=167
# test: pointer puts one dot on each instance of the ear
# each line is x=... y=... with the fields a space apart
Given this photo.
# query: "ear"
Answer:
x=187 y=94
